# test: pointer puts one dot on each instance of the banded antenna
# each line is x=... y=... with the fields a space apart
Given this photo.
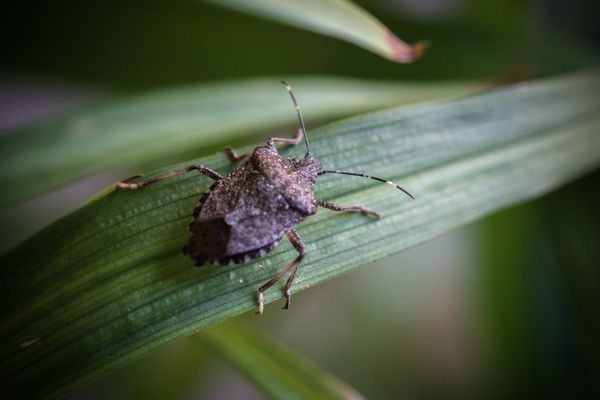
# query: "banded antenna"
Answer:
x=300 y=117
x=370 y=177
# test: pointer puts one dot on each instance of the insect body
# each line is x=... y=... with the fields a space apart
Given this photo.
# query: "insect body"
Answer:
x=245 y=214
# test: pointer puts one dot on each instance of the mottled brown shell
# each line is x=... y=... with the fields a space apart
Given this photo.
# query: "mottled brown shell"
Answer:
x=244 y=215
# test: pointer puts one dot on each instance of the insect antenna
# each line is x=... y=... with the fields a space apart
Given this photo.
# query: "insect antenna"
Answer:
x=300 y=117
x=370 y=177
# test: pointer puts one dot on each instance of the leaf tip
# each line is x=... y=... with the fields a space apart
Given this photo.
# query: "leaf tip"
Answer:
x=405 y=53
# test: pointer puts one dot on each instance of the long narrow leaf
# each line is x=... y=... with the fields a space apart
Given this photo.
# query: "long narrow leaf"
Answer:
x=127 y=133
x=108 y=283
x=338 y=18
x=277 y=371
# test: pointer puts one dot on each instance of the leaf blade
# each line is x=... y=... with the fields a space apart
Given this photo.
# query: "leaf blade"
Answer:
x=276 y=370
x=338 y=18
x=148 y=127
x=111 y=284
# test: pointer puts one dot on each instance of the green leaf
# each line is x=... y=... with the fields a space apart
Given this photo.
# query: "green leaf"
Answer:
x=277 y=371
x=107 y=284
x=146 y=128
x=338 y=18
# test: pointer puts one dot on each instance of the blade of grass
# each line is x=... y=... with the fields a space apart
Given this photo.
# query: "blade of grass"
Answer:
x=108 y=283
x=338 y=18
x=277 y=371
x=145 y=128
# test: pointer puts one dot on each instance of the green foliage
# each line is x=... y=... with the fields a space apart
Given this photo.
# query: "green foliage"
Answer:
x=107 y=284
x=280 y=373
x=147 y=128
x=338 y=18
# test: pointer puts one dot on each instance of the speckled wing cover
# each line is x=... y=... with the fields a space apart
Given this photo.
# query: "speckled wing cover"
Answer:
x=252 y=207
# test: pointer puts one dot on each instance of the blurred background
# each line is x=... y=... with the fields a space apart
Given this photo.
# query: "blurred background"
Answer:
x=506 y=307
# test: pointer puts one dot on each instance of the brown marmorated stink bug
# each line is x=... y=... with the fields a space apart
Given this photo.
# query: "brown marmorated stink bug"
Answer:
x=245 y=214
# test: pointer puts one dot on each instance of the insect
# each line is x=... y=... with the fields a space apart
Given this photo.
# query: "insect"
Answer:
x=245 y=214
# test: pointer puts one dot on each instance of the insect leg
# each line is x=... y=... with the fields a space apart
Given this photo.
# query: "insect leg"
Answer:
x=298 y=244
x=296 y=241
x=295 y=140
x=234 y=156
x=124 y=184
x=350 y=208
